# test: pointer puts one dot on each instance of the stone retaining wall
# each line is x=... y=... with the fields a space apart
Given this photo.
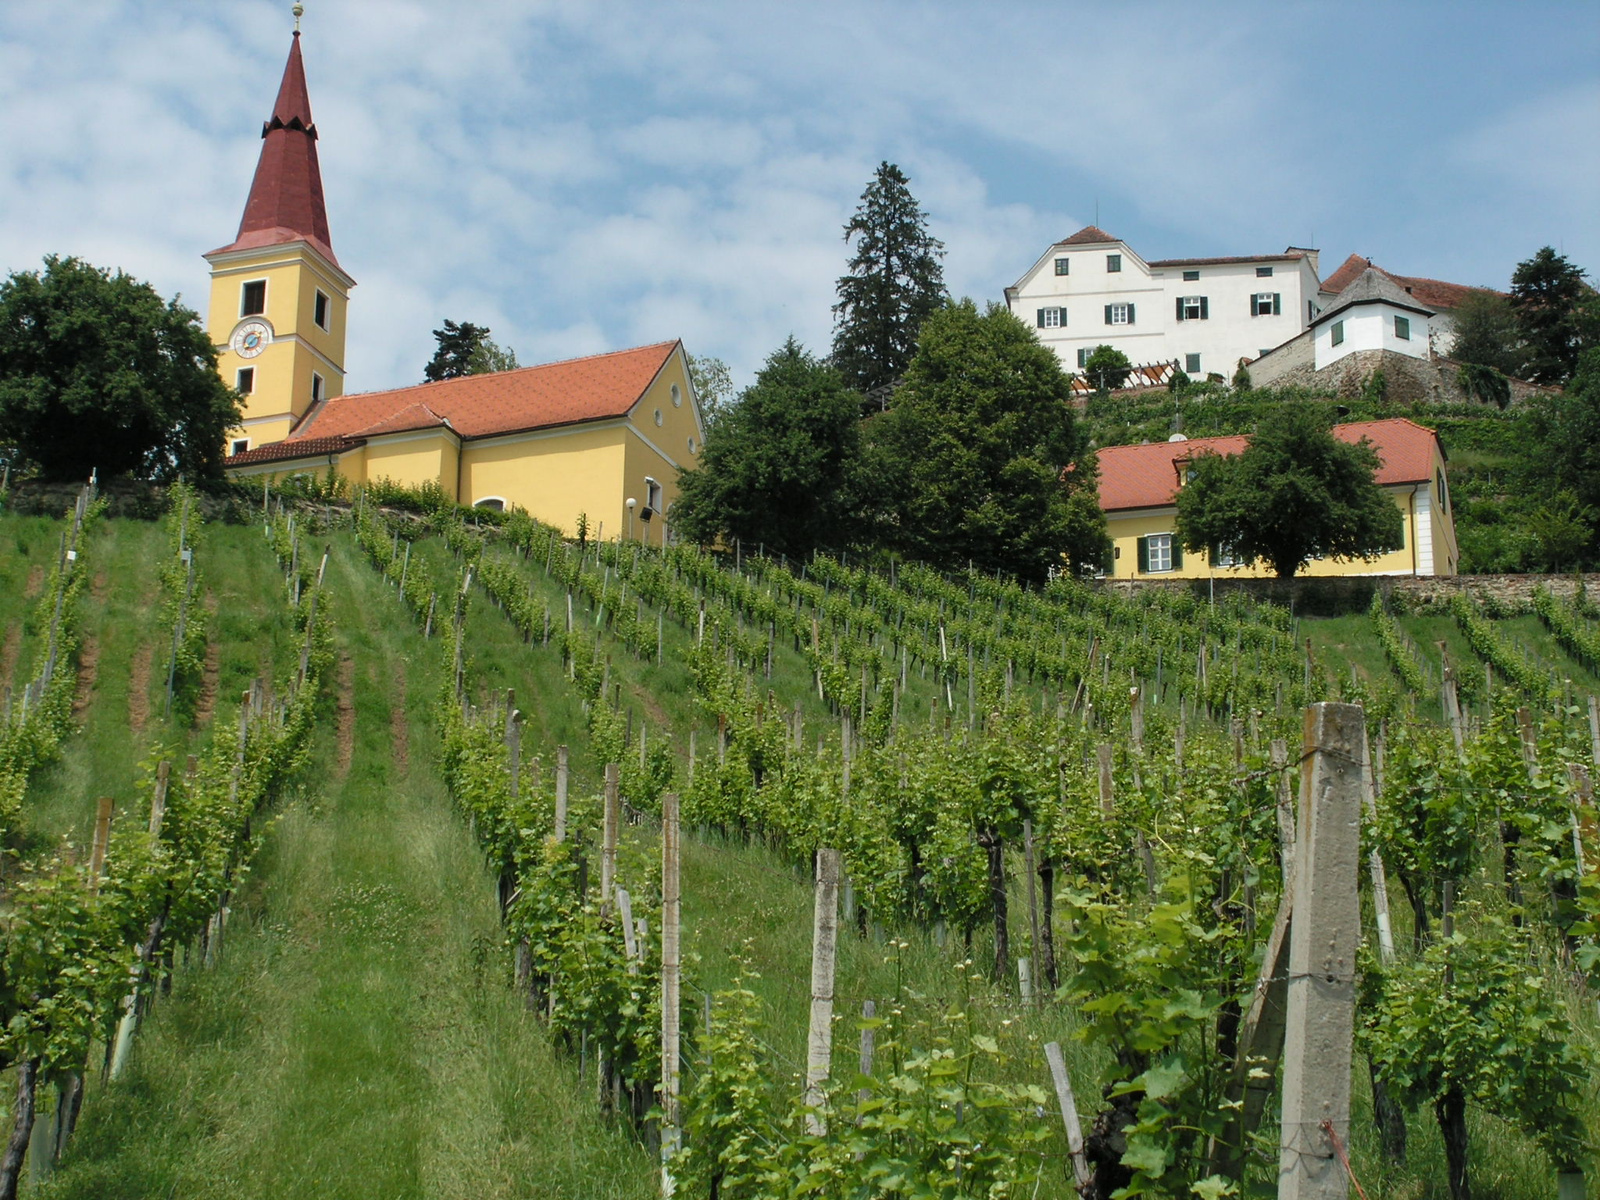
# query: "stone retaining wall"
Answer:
x=1334 y=596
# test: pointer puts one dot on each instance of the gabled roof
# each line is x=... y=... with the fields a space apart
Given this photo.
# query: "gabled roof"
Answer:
x=1147 y=476
x=1372 y=286
x=286 y=203
x=1434 y=293
x=1089 y=235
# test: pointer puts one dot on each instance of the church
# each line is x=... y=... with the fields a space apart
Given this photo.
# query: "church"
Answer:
x=601 y=437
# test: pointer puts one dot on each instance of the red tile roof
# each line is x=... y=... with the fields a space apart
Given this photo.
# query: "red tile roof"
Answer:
x=478 y=406
x=278 y=451
x=1147 y=476
x=286 y=203
x=1089 y=235
x=1434 y=293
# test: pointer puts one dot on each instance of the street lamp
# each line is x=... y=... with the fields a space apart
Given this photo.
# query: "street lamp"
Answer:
x=632 y=504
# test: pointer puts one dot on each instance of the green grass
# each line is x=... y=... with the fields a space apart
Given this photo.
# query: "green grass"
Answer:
x=357 y=1038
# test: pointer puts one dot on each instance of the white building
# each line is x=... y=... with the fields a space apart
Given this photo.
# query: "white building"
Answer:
x=1205 y=314
x=1373 y=313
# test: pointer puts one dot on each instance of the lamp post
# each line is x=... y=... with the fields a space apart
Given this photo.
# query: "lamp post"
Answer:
x=632 y=504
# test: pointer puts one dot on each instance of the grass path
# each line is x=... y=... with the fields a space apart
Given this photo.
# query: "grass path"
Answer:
x=356 y=1039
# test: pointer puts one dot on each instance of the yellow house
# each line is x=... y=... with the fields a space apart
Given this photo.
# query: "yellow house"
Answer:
x=601 y=437
x=1139 y=486
x=586 y=436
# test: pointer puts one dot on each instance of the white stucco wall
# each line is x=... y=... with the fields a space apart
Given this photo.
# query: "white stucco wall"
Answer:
x=1371 y=327
x=1227 y=333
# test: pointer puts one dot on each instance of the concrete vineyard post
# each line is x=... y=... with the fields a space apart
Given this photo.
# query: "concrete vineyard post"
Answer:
x=561 y=793
x=1380 y=879
x=824 y=946
x=671 y=999
x=1320 y=1011
x=630 y=942
x=1069 y=1113
x=608 y=837
x=869 y=1010
x=1280 y=764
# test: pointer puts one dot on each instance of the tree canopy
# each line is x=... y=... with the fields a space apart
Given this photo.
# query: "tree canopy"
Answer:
x=1558 y=315
x=1294 y=493
x=465 y=349
x=895 y=281
x=713 y=385
x=980 y=459
x=98 y=371
x=1106 y=368
x=780 y=464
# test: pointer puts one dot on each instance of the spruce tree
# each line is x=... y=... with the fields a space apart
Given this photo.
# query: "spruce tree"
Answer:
x=1558 y=314
x=895 y=281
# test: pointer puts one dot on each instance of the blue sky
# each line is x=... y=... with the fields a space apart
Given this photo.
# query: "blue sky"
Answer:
x=585 y=176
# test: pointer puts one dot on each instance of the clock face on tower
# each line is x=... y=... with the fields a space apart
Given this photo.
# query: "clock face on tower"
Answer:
x=250 y=338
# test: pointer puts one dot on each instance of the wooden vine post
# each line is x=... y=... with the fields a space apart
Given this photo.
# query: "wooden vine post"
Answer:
x=671 y=998
x=824 y=946
x=1320 y=1009
x=562 y=777
x=609 y=820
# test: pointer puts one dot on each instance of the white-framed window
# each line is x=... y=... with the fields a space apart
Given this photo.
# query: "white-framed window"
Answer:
x=238 y=445
x=316 y=388
x=245 y=381
x=1263 y=272
x=253 y=298
x=1119 y=314
x=1083 y=357
x=659 y=418
x=1191 y=364
x=1063 y=266
x=692 y=446
x=1051 y=318
x=319 y=311
x=1338 y=333
x=1266 y=304
x=1191 y=276
x=492 y=503
x=652 y=497
x=677 y=396
x=1113 y=263
x=1159 y=552
x=1402 y=328
x=1223 y=556
x=1193 y=308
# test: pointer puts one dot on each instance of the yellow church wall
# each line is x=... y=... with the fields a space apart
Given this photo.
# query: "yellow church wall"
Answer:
x=1125 y=530
x=412 y=460
x=554 y=476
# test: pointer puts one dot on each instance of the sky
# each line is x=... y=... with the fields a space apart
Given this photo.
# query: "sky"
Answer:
x=583 y=177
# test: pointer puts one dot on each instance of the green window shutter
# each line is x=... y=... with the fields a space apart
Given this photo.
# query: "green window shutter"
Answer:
x=1214 y=556
x=1108 y=314
x=1205 y=308
x=1277 y=304
x=1144 y=555
x=1130 y=314
x=1177 y=554
x=1041 y=318
x=1180 y=308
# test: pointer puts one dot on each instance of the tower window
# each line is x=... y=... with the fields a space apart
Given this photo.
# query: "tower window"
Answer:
x=316 y=388
x=319 y=311
x=253 y=298
x=245 y=383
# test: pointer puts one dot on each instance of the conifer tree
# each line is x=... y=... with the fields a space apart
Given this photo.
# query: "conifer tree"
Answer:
x=896 y=280
x=1558 y=314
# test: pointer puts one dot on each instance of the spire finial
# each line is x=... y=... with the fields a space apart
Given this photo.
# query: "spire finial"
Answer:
x=299 y=11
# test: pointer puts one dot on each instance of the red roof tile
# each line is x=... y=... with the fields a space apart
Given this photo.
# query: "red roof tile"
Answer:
x=1434 y=293
x=278 y=451
x=477 y=406
x=286 y=203
x=1147 y=476
x=1089 y=235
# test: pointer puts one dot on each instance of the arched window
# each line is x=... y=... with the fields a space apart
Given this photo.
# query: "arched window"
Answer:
x=492 y=503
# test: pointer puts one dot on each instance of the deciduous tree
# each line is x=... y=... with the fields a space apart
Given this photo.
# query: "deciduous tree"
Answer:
x=98 y=371
x=980 y=459
x=896 y=280
x=1106 y=368
x=713 y=385
x=1294 y=494
x=781 y=464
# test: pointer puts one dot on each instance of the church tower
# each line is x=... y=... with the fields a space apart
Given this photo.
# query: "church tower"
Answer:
x=278 y=294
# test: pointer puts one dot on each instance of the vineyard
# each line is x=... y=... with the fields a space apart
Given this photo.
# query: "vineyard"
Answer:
x=443 y=855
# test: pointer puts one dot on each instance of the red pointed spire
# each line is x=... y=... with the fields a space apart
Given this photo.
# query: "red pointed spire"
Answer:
x=286 y=202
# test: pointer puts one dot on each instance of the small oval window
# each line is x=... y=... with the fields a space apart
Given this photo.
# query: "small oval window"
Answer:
x=658 y=416
x=677 y=396
x=691 y=445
